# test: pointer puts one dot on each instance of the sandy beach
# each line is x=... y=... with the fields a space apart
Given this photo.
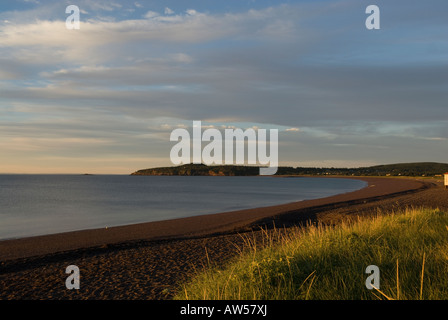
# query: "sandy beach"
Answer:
x=148 y=261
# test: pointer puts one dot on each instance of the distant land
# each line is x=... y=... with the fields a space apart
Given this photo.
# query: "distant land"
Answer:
x=428 y=169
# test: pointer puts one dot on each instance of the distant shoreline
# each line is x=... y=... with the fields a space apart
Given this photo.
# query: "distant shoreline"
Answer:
x=420 y=169
x=204 y=225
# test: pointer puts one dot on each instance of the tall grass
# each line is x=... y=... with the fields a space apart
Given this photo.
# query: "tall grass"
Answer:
x=409 y=247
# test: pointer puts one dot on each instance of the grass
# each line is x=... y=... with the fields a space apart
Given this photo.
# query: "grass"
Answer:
x=409 y=247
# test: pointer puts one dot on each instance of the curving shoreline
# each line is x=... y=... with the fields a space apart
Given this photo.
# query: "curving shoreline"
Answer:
x=204 y=225
x=140 y=262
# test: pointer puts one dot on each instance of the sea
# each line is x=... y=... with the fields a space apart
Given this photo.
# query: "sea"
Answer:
x=32 y=205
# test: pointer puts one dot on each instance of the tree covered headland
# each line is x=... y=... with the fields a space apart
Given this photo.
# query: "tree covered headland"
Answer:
x=400 y=169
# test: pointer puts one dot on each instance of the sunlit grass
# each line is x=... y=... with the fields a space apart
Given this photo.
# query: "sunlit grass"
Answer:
x=410 y=248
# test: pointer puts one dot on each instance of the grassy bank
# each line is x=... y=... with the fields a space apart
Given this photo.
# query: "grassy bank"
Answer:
x=410 y=249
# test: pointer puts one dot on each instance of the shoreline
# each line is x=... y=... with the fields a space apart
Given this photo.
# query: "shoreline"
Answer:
x=205 y=225
x=294 y=196
x=151 y=268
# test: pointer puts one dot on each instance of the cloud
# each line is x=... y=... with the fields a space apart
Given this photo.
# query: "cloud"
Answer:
x=168 y=11
x=192 y=27
x=304 y=67
x=151 y=14
x=100 y=5
x=191 y=12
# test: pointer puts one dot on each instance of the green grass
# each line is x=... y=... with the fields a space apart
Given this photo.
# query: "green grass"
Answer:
x=328 y=263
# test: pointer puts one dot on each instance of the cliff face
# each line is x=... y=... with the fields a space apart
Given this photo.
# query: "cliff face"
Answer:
x=199 y=170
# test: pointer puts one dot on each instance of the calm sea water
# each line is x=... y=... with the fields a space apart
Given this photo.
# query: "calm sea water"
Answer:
x=44 y=204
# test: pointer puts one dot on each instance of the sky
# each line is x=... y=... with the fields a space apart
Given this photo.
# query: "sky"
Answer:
x=104 y=99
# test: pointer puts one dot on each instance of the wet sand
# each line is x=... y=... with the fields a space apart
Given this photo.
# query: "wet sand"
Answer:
x=149 y=260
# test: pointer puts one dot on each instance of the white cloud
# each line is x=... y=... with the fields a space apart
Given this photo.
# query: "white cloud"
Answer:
x=151 y=14
x=101 y=5
x=50 y=40
x=191 y=12
x=168 y=11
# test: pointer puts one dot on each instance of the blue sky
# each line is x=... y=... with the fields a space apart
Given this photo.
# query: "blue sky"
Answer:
x=105 y=98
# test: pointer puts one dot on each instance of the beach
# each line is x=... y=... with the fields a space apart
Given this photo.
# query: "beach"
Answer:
x=149 y=260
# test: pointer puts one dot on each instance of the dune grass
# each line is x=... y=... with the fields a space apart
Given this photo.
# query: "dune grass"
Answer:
x=409 y=247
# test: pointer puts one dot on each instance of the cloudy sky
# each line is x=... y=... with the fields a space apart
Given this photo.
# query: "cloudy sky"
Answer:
x=105 y=98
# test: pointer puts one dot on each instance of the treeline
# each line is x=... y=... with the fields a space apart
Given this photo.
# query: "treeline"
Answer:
x=200 y=170
x=402 y=169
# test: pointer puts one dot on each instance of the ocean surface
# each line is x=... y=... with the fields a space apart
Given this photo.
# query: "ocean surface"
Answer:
x=45 y=204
